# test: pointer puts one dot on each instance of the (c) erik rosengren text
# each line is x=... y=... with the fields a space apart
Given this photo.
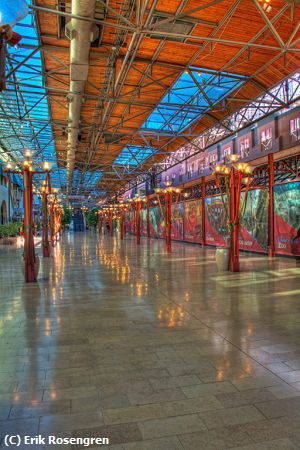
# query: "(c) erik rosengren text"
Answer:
x=17 y=440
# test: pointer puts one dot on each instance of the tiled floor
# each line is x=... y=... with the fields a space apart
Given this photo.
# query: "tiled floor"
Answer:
x=153 y=351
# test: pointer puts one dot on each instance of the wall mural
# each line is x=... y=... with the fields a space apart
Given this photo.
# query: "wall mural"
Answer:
x=177 y=221
x=143 y=216
x=129 y=222
x=187 y=220
x=216 y=222
x=153 y=221
x=157 y=222
x=287 y=218
x=193 y=221
x=254 y=224
x=161 y=222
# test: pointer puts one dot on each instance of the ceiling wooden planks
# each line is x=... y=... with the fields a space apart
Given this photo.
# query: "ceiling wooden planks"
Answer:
x=158 y=61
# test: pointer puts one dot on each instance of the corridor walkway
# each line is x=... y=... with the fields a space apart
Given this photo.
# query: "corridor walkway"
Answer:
x=153 y=351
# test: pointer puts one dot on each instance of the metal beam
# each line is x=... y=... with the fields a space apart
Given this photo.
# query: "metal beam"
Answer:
x=21 y=63
x=269 y=24
x=159 y=34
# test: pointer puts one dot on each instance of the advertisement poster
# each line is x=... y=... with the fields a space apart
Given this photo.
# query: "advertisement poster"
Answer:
x=161 y=222
x=157 y=222
x=193 y=221
x=254 y=224
x=143 y=217
x=177 y=221
x=287 y=218
x=129 y=222
x=216 y=222
x=153 y=221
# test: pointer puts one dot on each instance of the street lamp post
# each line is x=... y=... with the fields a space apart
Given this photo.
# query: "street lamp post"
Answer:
x=111 y=220
x=31 y=260
x=148 y=218
x=233 y=177
x=45 y=222
x=138 y=219
x=53 y=199
x=9 y=194
x=123 y=208
x=167 y=194
x=58 y=215
x=45 y=191
x=121 y=222
x=29 y=253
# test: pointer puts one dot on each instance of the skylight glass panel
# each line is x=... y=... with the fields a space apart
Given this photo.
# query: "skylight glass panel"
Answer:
x=92 y=178
x=133 y=155
x=86 y=180
x=24 y=109
x=191 y=96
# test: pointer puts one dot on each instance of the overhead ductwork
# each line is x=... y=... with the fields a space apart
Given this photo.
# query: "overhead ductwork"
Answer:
x=81 y=35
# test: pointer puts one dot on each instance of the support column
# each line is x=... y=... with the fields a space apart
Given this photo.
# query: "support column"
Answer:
x=138 y=222
x=271 y=237
x=9 y=193
x=51 y=208
x=148 y=219
x=121 y=224
x=111 y=222
x=235 y=181
x=45 y=240
x=100 y=222
x=203 y=211
x=29 y=254
x=169 y=198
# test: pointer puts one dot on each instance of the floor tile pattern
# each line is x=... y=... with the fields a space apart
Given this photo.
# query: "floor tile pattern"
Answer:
x=155 y=351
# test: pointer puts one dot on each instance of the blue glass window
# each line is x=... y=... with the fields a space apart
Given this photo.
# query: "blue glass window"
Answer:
x=194 y=93
x=133 y=155
x=24 y=108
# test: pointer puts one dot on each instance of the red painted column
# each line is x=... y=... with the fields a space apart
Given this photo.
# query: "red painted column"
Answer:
x=9 y=193
x=51 y=212
x=203 y=210
x=51 y=208
x=45 y=218
x=111 y=222
x=271 y=249
x=138 y=222
x=148 y=219
x=125 y=221
x=121 y=224
x=231 y=219
x=29 y=254
x=168 y=197
x=235 y=180
x=45 y=240
x=134 y=218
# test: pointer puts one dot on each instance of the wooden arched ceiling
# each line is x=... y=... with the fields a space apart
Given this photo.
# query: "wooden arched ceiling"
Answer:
x=146 y=53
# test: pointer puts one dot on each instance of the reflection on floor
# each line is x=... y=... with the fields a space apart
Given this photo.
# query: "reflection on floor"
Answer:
x=153 y=351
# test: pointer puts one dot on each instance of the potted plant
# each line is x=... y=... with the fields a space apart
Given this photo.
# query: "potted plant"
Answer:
x=8 y=233
x=92 y=219
x=67 y=217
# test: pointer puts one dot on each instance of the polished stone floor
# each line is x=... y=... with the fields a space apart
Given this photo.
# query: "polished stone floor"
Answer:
x=153 y=351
